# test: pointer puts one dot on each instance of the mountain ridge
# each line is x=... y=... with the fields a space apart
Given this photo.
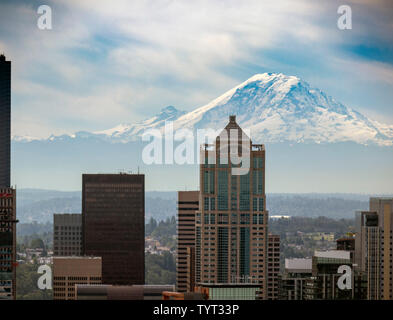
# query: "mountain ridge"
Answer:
x=273 y=106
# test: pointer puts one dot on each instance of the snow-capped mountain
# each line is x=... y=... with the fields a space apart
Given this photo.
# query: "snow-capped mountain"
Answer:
x=128 y=132
x=275 y=108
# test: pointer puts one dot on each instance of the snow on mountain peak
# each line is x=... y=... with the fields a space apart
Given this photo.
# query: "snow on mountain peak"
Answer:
x=275 y=107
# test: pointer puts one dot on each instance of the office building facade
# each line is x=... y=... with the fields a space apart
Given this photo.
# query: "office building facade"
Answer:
x=5 y=122
x=113 y=223
x=70 y=271
x=67 y=234
x=187 y=205
x=374 y=245
x=231 y=225
x=292 y=282
x=7 y=243
x=323 y=283
x=273 y=266
x=384 y=209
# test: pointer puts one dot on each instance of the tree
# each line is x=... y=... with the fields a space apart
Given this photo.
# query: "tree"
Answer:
x=37 y=243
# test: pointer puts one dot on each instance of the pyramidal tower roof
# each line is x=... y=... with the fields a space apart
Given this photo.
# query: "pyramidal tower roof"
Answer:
x=233 y=125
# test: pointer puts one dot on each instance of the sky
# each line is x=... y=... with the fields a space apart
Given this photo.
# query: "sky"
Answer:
x=110 y=62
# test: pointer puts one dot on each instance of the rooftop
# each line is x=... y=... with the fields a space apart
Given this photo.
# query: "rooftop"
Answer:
x=300 y=264
x=333 y=254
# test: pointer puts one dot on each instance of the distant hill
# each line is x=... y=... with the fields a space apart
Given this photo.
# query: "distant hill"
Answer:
x=39 y=205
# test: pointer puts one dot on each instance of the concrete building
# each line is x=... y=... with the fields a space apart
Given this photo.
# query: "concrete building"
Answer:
x=231 y=225
x=113 y=221
x=5 y=122
x=7 y=243
x=292 y=281
x=67 y=234
x=70 y=271
x=373 y=248
x=273 y=266
x=187 y=205
x=110 y=292
x=322 y=285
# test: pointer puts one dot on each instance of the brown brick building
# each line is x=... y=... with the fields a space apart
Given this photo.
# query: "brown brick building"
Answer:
x=113 y=221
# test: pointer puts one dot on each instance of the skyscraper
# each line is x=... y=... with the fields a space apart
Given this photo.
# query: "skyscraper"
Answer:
x=7 y=194
x=374 y=246
x=5 y=121
x=188 y=204
x=231 y=225
x=113 y=223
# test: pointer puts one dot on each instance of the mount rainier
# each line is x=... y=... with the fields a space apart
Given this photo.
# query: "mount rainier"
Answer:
x=274 y=107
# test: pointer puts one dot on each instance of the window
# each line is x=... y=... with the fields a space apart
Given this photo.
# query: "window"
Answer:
x=245 y=192
x=222 y=190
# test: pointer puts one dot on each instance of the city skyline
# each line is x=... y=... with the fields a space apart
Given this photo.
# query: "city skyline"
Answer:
x=101 y=68
x=222 y=151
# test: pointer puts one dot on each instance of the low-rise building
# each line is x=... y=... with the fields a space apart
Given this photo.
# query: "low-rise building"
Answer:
x=70 y=271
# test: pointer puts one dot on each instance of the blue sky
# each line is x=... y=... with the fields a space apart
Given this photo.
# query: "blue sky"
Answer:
x=103 y=63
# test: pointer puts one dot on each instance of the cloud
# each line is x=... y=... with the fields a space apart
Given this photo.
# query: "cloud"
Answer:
x=105 y=63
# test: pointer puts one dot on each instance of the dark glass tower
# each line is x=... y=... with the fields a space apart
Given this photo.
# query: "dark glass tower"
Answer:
x=5 y=121
x=113 y=224
x=7 y=194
